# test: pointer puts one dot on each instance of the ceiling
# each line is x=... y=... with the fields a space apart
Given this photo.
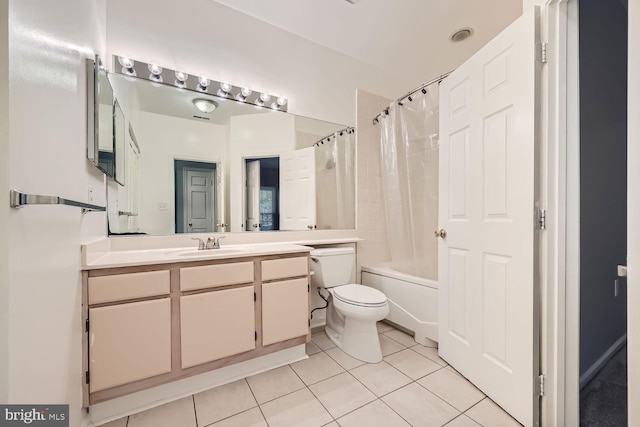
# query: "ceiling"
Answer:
x=411 y=36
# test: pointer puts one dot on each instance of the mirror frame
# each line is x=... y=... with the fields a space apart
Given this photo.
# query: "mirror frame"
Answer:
x=93 y=120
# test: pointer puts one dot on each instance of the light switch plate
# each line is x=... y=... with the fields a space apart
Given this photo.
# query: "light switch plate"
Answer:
x=163 y=206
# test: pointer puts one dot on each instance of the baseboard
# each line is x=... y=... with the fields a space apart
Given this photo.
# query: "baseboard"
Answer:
x=599 y=364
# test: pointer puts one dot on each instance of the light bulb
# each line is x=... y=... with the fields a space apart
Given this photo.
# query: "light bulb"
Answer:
x=181 y=79
x=203 y=83
x=127 y=66
x=282 y=101
x=155 y=69
x=156 y=72
x=246 y=91
x=264 y=97
x=126 y=62
x=226 y=87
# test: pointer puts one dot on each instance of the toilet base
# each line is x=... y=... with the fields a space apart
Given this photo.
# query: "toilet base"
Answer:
x=355 y=332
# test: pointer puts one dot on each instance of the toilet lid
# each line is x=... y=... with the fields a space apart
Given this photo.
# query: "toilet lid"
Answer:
x=360 y=295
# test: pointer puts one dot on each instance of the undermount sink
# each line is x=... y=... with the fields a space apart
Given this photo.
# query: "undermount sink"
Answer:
x=208 y=252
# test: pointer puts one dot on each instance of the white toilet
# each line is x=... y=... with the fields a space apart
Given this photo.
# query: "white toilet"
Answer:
x=353 y=309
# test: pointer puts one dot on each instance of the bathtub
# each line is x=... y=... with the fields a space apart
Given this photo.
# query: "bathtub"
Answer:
x=413 y=301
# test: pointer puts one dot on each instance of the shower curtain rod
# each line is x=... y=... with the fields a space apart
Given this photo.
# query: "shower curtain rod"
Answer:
x=409 y=94
x=349 y=129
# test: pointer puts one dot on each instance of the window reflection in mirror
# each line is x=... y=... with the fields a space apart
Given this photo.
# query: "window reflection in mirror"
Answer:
x=193 y=165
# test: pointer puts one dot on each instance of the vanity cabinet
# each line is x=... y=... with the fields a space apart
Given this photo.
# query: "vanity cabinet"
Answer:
x=129 y=342
x=285 y=303
x=154 y=324
x=217 y=324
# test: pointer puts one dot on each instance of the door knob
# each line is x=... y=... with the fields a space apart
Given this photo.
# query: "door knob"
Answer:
x=442 y=233
x=255 y=225
x=190 y=224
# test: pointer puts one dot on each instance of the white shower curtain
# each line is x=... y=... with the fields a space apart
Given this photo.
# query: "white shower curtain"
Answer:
x=335 y=182
x=409 y=157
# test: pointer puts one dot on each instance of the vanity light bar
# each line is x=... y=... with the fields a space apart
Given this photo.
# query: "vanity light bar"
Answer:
x=154 y=73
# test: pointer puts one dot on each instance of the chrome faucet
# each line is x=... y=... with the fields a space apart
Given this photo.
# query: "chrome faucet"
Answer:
x=201 y=245
x=212 y=243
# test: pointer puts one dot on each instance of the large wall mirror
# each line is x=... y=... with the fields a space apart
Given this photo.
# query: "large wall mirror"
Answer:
x=197 y=163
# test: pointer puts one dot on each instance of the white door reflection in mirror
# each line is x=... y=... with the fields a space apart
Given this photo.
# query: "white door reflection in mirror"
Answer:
x=253 y=195
x=298 y=190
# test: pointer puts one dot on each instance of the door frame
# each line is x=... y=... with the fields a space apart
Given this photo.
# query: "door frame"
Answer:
x=179 y=168
x=243 y=161
x=557 y=128
x=562 y=299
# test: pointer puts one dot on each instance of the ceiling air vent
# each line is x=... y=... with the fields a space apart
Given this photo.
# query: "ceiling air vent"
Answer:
x=461 y=34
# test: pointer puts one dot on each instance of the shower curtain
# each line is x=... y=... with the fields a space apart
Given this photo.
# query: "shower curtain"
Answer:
x=409 y=161
x=335 y=182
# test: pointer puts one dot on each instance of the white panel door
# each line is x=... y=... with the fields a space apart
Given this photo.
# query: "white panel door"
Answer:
x=253 y=196
x=486 y=261
x=220 y=200
x=298 y=190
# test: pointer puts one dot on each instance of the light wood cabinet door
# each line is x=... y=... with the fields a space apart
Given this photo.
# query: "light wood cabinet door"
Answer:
x=285 y=310
x=129 y=342
x=216 y=324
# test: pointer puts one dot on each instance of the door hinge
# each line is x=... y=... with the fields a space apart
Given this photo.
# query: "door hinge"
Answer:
x=542 y=219
x=255 y=335
x=86 y=325
x=308 y=288
x=540 y=385
x=543 y=53
x=255 y=297
x=309 y=322
x=87 y=377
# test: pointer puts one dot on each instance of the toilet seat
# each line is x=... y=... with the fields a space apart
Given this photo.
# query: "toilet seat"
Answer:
x=360 y=295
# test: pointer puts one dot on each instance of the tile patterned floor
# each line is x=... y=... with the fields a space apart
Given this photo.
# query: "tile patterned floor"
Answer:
x=412 y=386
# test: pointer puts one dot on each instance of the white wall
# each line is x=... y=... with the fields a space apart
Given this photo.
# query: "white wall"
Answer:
x=202 y=36
x=163 y=139
x=47 y=155
x=255 y=135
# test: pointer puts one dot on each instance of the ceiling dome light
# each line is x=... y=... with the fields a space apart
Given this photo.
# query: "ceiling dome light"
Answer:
x=205 y=105
x=461 y=34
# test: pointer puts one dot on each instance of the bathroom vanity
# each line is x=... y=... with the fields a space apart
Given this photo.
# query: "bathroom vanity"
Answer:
x=157 y=316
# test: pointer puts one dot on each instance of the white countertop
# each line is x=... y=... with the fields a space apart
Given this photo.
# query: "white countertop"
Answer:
x=114 y=259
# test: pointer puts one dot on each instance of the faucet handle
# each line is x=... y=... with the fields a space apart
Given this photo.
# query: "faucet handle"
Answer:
x=201 y=244
x=214 y=242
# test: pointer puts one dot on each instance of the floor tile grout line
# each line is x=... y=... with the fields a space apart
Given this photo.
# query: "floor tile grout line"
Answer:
x=257 y=403
x=314 y=396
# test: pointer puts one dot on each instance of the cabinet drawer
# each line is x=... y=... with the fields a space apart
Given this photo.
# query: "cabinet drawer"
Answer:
x=286 y=267
x=128 y=286
x=285 y=310
x=216 y=324
x=212 y=276
x=129 y=342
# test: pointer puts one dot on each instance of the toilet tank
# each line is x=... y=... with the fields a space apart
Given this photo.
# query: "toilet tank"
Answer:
x=331 y=266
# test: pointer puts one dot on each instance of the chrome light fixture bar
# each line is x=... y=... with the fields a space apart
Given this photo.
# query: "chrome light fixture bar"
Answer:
x=155 y=73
